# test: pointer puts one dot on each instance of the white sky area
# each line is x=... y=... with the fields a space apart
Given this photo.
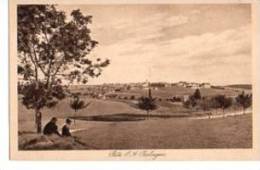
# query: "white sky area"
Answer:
x=200 y=43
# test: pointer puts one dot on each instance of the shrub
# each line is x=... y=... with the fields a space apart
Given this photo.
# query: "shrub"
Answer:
x=132 y=97
x=147 y=103
x=244 y=100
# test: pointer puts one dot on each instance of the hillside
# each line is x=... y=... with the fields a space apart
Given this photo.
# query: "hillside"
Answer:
x=241 y=86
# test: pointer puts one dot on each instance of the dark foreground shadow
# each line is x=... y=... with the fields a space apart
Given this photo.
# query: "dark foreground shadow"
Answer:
x=118 y=117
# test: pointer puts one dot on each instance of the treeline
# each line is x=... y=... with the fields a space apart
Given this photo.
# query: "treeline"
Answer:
x=196 y=101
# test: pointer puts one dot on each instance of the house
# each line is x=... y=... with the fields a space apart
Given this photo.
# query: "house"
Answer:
x=182 y=84
x=205 y=85
x=185 y=98
x=193 y=85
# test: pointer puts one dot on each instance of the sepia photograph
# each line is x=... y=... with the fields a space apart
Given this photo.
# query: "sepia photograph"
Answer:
x=132 y=79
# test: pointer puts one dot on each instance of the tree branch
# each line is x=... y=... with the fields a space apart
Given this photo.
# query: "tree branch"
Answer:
x=37 y=61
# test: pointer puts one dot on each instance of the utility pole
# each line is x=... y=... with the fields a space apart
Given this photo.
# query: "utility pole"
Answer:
x=149 y=87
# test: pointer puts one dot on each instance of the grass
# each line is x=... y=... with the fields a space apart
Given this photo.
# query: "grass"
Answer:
x=41 y=142
x=62 y=110
x=241 y=86
x=119 y=125
x=231 y=132
x=170 y=133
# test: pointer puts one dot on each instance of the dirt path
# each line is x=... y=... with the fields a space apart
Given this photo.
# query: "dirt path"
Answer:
x=221 y=115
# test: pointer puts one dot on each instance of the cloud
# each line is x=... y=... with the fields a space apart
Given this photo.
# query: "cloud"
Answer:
x=143 y=29
x=196 y=57
x=179 y=42
x=192 y=57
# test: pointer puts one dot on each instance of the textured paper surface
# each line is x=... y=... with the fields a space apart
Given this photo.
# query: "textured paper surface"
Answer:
x=162 y=154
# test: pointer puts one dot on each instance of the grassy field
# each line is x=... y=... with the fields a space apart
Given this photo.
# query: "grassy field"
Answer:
x=62 y=110
x=96 y=108
x=119 y=124
x=172 y=133
x=231 y=132
x=142 y=133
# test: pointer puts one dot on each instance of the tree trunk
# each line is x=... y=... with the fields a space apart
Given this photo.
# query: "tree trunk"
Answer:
x=147 y=114
x=38 y=121
x=75 y=117
x=223 y=112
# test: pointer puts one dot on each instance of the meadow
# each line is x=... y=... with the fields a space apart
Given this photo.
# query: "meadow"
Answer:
x=119 y=124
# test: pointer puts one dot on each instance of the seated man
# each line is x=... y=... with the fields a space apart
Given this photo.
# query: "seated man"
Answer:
x=66 y=128
x=51 y=127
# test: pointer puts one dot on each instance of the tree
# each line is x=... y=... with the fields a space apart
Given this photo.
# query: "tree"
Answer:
x=132 y=97
x=214 y=103
x=223 y=102
x=191 y=102
x=197 y=94
x=205 y=105
x=147 y=103
x=244 y=100
x=53 y=50
x=77 y=104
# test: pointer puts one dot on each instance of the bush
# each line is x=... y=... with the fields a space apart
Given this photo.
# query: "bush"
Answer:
x=197 y=94
x=132 y=97
x=221 y=101
x=244 y=100
x=191 y=102
x=147 y=103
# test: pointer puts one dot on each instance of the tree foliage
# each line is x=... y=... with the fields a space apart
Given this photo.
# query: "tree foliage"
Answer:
x=53 y=50
x=205 y=104
x=197 y=94
x=37 y=97
x=244 y=100
x=223 y=102
x=147 y=103
x=78 y=104
x=191 y=102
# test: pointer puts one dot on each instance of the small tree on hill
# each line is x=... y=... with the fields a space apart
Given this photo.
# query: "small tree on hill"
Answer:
x=193 y=100
x=223 y=102
x=214 y=103
x=197 y=94
x=244 y=100
x=190 y=103
x=132 y=97
x=205 y=105
x=77 y=104
x=147 y=103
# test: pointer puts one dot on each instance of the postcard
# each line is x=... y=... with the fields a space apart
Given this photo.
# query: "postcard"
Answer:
x=136 y=80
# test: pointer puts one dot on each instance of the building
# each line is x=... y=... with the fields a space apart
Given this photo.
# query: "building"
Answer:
x=182 y=84
x=186 y=98
x=205 y=85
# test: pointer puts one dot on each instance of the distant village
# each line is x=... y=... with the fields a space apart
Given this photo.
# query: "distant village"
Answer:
x=116 y=87
x=112 y=90
x=132 y=91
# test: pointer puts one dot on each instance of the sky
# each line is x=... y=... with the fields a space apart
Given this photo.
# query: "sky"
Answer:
x=171 y=43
